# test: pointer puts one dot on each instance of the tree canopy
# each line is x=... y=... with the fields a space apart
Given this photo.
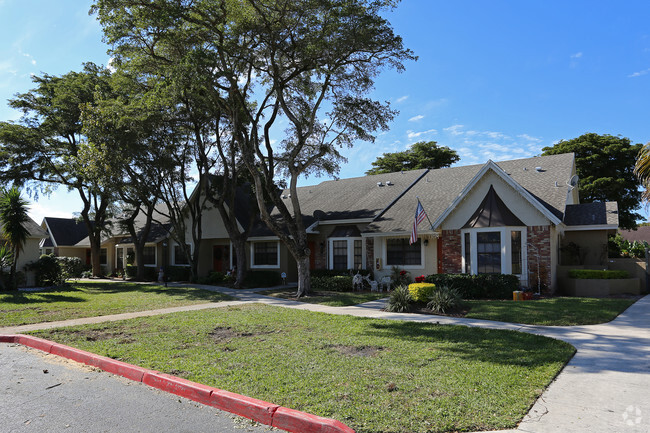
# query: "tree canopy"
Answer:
x=423 y=154
x=605 y=165
x=260 y=67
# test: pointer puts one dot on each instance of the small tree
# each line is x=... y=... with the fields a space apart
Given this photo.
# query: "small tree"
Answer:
x=423 y=154
x=13 y=216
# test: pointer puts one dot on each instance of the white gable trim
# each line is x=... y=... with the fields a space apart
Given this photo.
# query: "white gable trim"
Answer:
x=49 y=232
x=490 y=165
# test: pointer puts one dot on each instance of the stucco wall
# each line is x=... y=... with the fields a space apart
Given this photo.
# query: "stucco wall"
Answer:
x=525 y=211
x=429 y=258
x=593 y=248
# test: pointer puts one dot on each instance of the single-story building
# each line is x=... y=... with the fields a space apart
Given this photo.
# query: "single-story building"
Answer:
x=30 y=252
x=511 y=217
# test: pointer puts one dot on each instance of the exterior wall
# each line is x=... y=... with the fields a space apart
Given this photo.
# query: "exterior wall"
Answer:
x=206 y=262
x=525 y=211
x=593 y=248
x=451 y=251
x=539 y=246
x=29 y=254
x=71 y=252
x=376 y=250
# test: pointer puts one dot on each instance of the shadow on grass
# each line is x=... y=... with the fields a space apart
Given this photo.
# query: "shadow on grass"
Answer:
x=49 y=296
x=477 y=344
x=185 y=293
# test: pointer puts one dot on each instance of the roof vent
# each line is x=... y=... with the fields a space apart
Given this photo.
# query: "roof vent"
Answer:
x=525 y=169
x=556 y=184
x=380 y=184
x=389 y=183
x=538 y=169
x=284 y=196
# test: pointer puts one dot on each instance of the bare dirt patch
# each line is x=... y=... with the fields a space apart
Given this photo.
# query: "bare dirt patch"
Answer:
x=360 y=351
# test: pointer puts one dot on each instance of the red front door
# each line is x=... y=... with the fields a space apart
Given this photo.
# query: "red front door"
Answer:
x=220 y=258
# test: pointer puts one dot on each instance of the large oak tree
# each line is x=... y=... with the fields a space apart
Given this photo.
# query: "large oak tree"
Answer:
x=423 y=154
x=300 y=71
x=605 y=165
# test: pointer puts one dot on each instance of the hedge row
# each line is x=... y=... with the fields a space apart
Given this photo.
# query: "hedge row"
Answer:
x=482 y=286
x=595 y=274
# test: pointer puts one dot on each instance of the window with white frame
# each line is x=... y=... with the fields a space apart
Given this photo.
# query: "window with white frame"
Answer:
x=180 y=258
x=149 y=256
x=345 y=253
x=491 y=250
x=265 y=254
x=400 y=253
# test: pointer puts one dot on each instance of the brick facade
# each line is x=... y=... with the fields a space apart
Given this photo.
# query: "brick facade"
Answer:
x=320 y=254
x=451 y=252
x=539 y=241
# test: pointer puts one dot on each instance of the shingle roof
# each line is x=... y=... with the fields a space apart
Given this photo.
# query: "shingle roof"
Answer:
x=601 y=213
x=353 y=198
x=439 y=188
x=641 y=234
x=66 y=231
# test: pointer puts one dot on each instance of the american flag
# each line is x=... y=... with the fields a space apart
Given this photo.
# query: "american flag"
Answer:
x=419 y=217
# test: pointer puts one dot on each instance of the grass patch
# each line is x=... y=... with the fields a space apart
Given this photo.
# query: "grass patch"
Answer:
x=550 y=311
x=333 y=299
x=96 y=299
x=374 y=375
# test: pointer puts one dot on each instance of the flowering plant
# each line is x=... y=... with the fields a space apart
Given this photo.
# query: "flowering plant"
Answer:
x=420 y=279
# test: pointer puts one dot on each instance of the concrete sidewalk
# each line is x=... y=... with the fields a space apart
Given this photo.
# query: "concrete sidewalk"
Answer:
x=605 y=387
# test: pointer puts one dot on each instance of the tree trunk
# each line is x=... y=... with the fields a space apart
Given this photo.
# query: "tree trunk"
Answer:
x=139 y=259
x=304 y=282
x=13 y=281
x=95 y=259
x=239 y=247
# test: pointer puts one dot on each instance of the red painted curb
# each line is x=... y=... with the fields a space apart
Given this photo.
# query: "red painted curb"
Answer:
x=296 y=421
x=179 y=386
x=252 y=408
x=120 y=368
x=258 y=410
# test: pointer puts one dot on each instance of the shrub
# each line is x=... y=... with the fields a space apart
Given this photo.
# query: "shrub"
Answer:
x=400 y=300
x=482 y=286
x=262 y=279
x=337 y=283
x=150 y=272
x=338 y=272
x=444 y=299
x=72 y=267
x=420 y=292
x=595 y=274
x=177 y=273
x=214 y=278
x=619 y=247
x=47 y=271
x=400 y=277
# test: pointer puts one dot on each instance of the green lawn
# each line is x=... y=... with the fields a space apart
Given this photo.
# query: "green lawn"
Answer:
x=95 y=299
x=551 y=311
x=333 y=299
x=374 y=375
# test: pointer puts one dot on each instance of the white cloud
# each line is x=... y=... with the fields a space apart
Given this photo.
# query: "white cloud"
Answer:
x=576 y=55
x=495 y=146
x=412 y=134
x=454 y=129
x=402 y=99
x=416 y=118
x=639 y=73
x=529 y=138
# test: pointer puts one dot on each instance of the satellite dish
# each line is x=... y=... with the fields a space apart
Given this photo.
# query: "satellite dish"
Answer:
x=573 y=182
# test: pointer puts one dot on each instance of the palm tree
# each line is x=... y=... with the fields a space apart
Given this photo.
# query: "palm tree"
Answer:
x=642 y=170
x=13 y=216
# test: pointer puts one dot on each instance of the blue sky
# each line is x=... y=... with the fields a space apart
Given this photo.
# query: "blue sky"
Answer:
x=494 y=80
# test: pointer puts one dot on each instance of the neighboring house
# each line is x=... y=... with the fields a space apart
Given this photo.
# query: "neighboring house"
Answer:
x=511 y=217
x=67 y=237
x=640 y=234
x=156 y=250
x=30 y=252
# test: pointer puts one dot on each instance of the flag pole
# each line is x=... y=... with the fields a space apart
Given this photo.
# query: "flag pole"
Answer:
x=425 y=212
